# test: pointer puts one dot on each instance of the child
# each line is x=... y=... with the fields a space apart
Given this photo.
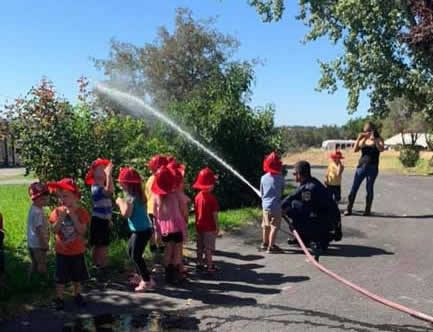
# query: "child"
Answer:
x=178 y=171
x=2 y=262
x=154 y=164
x=69 y=226
x=37 y=228
x=333 y=175
x=133 y=207
x=206 y=218
x=170 y=223
x=100 y=177
x=271 y=189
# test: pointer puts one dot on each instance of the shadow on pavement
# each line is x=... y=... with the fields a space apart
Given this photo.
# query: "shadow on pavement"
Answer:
x=245 y=273
x=238 y=256
x=291 y=318
x=349 y=250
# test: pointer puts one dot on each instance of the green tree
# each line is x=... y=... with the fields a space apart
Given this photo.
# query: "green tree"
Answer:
x=387 y=47
x=175 y=65
x=353 y=127
x=189 y=74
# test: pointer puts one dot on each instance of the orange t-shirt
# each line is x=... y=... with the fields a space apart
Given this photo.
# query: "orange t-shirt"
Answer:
x=68 y=241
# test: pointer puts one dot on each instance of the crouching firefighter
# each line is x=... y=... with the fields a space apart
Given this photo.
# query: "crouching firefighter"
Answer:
x=312 y=212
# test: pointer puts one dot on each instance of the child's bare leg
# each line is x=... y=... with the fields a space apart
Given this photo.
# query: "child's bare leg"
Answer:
x=199 y=255
x=272 y=236
x=178 y=255
x=76 y=286
x=42 y=266
x=209 y=261
x=266 y=233
x=158 y=241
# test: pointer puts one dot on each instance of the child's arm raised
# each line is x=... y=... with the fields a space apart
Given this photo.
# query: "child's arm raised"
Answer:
x=58 y=216
x=125 y=207
x=109 y=186
x=340 y=168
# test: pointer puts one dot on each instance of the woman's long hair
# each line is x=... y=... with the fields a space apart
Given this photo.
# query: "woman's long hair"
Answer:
x=373 y=128
x=135 y=190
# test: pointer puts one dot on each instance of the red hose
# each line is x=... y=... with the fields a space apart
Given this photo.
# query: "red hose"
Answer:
x=413 y=313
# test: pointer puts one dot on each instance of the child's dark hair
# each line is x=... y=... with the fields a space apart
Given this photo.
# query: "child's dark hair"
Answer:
x=135 y=190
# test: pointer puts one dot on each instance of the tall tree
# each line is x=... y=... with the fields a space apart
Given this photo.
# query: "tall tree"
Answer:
x=404 y=119
x=175 y=65
x=387 y=47
x=189 y=74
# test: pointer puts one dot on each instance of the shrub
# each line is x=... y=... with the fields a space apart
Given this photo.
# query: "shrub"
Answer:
x=409 y=156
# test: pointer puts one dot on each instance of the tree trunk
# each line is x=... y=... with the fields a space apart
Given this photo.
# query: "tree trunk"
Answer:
x=6 y=159
x=13 y=152
x=429 y=141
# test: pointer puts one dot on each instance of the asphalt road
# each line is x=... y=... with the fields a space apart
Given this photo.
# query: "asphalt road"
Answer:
x=389 y=253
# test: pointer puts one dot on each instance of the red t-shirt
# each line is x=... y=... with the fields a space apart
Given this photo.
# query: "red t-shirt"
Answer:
x=205 y=206
x=68 y=241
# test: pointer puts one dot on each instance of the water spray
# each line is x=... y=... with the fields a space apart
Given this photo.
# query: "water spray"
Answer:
x=138 y=108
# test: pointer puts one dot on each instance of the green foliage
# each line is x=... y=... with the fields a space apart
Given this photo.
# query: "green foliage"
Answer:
x=239 y=134
x=409 y=156
x=353 y=127
x=405 y=118
x=60 y=140
x=387 y=48
x=270 y=10
x=174 y=65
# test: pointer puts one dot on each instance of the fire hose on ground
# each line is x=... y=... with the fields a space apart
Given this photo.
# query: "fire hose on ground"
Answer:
x=374 y=297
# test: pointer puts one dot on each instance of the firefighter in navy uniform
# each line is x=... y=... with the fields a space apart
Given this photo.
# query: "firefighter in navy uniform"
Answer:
x=312 y=212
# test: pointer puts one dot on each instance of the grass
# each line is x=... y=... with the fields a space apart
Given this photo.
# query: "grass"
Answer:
x=17 y=177
x=19 y=295
x=389 y=161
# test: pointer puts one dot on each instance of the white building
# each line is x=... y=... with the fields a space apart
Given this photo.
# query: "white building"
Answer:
x=397 y=140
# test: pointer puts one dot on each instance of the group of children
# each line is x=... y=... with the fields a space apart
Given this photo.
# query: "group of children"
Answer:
x=157 y=212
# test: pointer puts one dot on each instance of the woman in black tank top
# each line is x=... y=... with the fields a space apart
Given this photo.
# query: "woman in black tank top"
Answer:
x=371 y=145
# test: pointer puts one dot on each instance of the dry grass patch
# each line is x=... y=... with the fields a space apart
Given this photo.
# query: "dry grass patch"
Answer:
x=388 y=160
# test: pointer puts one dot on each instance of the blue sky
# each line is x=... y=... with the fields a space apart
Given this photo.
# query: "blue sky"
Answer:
x=56 y=38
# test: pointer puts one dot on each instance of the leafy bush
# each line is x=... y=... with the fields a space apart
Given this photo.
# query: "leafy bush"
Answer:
x=61 y=140
x=409 y=156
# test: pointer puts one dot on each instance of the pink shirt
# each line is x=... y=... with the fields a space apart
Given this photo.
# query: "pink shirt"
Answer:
x=168 y=214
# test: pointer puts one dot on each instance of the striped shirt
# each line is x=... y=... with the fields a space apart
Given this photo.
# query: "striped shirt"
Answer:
x=102 y=205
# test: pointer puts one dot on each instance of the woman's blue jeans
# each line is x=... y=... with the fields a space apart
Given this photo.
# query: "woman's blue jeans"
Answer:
x=364 y=172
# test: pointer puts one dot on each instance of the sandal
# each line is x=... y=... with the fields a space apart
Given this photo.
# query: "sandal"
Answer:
x=135 y=279
x=145 y=286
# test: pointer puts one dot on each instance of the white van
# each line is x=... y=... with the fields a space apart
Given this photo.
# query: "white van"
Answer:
x=333 y=144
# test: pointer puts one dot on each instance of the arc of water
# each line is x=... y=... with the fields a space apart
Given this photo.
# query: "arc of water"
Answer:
x=137 y=107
